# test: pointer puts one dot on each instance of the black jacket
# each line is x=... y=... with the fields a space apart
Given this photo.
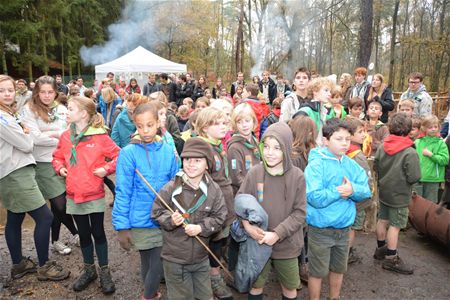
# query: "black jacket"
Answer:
x=198 y=92
x=272 y=89
x=151 y=88
x=386 y=101
x=169 y=89
x=183 y=91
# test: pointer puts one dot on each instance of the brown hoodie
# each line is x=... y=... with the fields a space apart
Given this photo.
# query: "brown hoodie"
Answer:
x=240 y=159
x=283 y=197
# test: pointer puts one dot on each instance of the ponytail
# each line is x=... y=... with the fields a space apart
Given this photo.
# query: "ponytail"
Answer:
x=97 y=121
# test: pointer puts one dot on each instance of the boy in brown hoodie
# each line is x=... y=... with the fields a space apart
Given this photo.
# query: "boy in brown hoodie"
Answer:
x=198 y=202
x=280 y=189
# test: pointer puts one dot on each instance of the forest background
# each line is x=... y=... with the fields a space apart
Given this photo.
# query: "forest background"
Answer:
x=219 y=38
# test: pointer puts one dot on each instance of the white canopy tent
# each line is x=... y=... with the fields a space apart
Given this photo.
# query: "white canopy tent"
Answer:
x=138 y=64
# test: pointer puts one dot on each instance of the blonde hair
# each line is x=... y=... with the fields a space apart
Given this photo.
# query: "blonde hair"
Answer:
x=222 y=104
x=183 y=111
x=336 y=91
x=429 y=121
x=4 y=107
x=316 y=84
x=108 y=95
x=95 y=119
x=159 y=96
x=240 y=112
x=347 y=80
x=207 y=117
x=202 y=100
x=137 y=99
x=372 y=92
x=406 y=103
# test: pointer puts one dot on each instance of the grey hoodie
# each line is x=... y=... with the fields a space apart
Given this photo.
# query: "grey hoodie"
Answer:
x=423 y=103
x=15 y=146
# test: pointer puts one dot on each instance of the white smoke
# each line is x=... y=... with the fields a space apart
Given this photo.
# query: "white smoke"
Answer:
x=135 y=28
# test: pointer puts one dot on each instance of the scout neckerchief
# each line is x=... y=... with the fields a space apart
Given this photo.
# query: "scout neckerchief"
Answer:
x=218 y=147
x=52 y=112
x=197 y=201
x=16 y=116
x=75 y=139
x=251 y=146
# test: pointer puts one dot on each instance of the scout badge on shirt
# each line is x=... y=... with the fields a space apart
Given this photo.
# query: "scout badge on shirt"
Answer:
x=260 y=191
x=233 y=164
x=218 y=163
x=248 y=161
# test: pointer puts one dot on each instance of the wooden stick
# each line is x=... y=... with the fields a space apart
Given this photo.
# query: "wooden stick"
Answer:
x=184 y=224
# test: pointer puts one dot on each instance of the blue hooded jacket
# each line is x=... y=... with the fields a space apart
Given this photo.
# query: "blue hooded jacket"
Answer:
x=123 y=129
x=325 y=206
x=103 y=108
x=133 y=203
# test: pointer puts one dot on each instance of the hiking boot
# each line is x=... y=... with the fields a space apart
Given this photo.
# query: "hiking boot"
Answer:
x=89 y=275
x=219 y=288
x=304 y=272
x=21 y=269
x=106 y=281
x=52 y=271
x=380 y=253
x=61 y=248
x=396 y=264
x=353 y=257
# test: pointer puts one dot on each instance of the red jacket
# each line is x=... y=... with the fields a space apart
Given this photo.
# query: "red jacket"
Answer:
x=261 y=110
x=81 y=183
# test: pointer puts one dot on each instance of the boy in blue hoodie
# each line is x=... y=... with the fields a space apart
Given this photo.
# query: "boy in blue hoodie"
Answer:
x=334 y=182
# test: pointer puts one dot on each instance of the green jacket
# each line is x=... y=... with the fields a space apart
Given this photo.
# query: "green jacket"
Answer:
x=432 y=168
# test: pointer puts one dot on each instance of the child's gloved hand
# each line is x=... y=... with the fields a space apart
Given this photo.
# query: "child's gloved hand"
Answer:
x=177 y=218
x=124 y=238
x=192 y=229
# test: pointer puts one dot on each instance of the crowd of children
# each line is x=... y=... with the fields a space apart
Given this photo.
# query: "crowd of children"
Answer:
x=302 y=156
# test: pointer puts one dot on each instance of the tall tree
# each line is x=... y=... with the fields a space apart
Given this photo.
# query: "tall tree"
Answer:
x=365 y=32
x=393 y=37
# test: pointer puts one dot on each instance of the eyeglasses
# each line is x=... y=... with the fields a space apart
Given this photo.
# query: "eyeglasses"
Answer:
x=414 y=82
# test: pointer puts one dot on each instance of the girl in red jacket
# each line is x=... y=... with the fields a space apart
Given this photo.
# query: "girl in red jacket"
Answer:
x=81 y=157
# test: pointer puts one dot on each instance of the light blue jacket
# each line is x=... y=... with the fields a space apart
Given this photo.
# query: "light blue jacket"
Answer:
x=123 y=129
x=103 y=108
x=133 y=203
x=325 y=206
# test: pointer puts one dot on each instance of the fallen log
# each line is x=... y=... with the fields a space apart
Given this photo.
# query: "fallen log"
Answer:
x=430 y=219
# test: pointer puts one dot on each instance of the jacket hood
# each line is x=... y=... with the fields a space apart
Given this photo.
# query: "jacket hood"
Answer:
x=236 y=139
x=136 y=139
x=283 y=134
x=321 y=153
x=314 y=105
x=95 y=130
x=394 y=143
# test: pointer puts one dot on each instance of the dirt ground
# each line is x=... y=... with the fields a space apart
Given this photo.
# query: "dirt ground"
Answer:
x=366 y=280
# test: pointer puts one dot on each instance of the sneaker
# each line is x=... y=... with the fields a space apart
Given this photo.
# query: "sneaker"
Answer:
x=396 y=264
x=52 y=271
x=353 y=257
x=219 y=288
x=89 y=275
x=304 y=272
x=74 y=240
x=380 y=253
x=61 y=248
x=21 y=269
x=106 y=282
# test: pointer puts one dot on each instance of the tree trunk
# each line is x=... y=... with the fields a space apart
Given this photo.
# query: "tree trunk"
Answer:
x=239 y=37
x=30 y=63
x=438 y=59
x=393 y=38
x=365 y=32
